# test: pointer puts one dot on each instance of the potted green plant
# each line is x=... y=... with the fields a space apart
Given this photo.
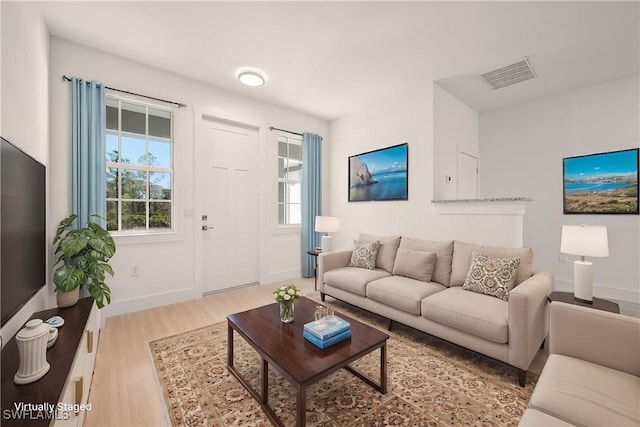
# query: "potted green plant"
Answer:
x=82 y=261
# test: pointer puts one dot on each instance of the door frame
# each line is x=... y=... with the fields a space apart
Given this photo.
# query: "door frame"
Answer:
x=200 y=116
x=471 y=154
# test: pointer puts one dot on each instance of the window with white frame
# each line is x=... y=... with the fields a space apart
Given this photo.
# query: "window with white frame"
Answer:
x=139 y=151
x=289 y=175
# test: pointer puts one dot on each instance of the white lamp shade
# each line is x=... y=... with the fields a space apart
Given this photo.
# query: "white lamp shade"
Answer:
x=327 y=224
x=585 y=240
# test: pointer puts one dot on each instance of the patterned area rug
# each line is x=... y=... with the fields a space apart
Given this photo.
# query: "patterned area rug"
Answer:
x=430 y=383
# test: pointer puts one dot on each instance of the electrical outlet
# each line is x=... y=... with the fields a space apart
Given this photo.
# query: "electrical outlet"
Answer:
x=563 y=258
x=135 y=270
x=188 y=213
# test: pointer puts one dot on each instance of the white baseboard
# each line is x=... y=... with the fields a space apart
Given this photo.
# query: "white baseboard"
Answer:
x=145 y=302
x=602 y=291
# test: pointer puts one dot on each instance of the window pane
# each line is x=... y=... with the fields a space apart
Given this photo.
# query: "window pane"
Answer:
x=281 y=171
x=133 y=150
x=293 y=173
x=111 y=143
x=282 y=192
x=281 y=217
x=159 y=215
x=295 y=151
x=160 y=153
x=112 y=114
x=134 y=216
x=112 y=216
x=295 y=214
x=159 y=123
x=112 y=183
x=134 y=184
x=160 y=185
x=282 y=149
x=133 y=118
x=294 y=193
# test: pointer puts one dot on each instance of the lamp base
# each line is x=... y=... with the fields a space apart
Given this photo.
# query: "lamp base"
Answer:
x=583 y=283
x=325 y=243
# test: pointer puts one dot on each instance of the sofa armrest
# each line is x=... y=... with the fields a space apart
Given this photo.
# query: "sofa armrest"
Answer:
x=596 y=336
x=330 y=261
x=528 y=318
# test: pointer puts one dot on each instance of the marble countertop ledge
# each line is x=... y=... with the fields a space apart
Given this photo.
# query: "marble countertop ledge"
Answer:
x=488 y=200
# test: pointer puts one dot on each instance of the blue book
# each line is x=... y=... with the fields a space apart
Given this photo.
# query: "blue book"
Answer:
x=344 y=335
x=327 y=328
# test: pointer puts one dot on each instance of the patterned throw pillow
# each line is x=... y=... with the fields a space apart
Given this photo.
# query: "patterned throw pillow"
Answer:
x=491 y=276
x=364 y=254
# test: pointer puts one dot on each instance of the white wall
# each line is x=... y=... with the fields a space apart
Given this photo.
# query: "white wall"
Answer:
x=455 y=127
x=25 y=106
x=407 y=118
x=522 y=148
x=167 y=266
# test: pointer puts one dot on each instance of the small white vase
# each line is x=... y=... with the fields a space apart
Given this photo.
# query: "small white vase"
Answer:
x=67 y=299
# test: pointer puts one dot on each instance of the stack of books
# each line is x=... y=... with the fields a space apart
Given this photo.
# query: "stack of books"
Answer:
x=327 y=331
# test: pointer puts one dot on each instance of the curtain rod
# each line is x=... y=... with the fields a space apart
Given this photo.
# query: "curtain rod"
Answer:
x=284 y=130
x=179 y=104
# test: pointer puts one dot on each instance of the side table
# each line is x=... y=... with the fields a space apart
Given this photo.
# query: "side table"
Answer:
x=315 y=254
x=598 y=303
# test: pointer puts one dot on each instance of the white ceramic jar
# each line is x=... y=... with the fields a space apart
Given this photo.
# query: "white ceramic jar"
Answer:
x=32 y=346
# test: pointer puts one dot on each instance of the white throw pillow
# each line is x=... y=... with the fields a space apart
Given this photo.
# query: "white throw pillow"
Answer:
x=414 y=264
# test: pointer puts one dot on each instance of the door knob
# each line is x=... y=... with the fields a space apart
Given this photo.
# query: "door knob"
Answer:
x=206 y=227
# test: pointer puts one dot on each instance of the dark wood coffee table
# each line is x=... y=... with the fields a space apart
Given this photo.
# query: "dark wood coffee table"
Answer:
x=282 y=346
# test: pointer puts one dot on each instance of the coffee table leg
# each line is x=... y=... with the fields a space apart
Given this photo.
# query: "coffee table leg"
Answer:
x=264 y=374
x=383 y=369
x=229 y=345
x=301 y=405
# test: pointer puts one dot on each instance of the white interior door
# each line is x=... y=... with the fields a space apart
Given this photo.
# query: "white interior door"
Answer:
x=467 y=175
x=227 y=191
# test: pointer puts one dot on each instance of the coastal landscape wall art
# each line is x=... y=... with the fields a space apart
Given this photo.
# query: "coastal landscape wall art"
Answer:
x=379 y=175
x=602 y=183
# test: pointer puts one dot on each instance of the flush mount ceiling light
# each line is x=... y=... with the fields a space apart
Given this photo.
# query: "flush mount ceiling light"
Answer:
x=251 y=77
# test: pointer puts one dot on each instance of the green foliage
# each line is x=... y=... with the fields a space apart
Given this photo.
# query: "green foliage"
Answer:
x=82 y=258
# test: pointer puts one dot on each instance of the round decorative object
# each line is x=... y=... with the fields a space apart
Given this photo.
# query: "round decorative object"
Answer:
x=67 y=299
x=32 y=346
x=286 y=311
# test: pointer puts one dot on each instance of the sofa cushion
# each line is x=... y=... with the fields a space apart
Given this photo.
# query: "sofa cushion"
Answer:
x=387 y=250
x=353 y=279
x=364 y=254
x=475 y=313
x=462 y=260
x=583 y=393
x=401 y=292
x=491 y=275
x=444 y=251
x=414 y=264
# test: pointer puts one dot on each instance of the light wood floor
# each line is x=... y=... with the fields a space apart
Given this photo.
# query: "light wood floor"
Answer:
x=124 y=390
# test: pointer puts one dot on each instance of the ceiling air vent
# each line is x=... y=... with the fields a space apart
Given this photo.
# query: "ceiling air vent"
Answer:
x=509 y=75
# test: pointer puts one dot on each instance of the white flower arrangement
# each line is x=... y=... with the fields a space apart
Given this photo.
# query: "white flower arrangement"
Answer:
x=287 y=293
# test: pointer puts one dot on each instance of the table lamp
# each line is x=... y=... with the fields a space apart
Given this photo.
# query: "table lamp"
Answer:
x=584 y=240
x=326 y=225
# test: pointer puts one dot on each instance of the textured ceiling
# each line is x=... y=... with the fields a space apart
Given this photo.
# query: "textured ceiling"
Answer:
x=329 y=59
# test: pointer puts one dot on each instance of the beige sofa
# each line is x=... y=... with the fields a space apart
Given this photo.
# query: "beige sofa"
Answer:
x=510 y=331
x=592 y=376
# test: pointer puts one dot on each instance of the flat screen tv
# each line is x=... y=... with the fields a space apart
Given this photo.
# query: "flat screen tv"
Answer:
x=23 y=240
x=601 y=183
x=380 y=174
